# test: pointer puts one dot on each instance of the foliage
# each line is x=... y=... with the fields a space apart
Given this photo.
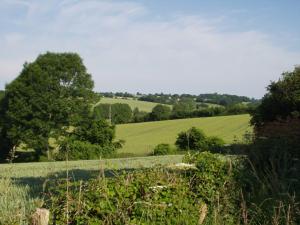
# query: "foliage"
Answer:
x=281 y=101
x=139 y=116
x=192 y=139
x=160 y=112
x=83 y=150
x=163 y=149
x=118 y=113
x=51 y=93
x=271 y=181
x=216 y=182
x=195 y=139
x=92 y=140
x=153 y=196
x=148 y=197
x=215 y=144
x=236 y=109
x=215 y=98
x=1 y=94
x=183 y=109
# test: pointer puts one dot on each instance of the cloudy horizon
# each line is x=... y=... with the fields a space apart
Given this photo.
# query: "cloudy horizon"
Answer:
x=135 y=46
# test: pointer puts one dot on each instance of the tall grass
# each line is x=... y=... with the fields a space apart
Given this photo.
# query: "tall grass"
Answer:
x=21 y=184
x=16 y=205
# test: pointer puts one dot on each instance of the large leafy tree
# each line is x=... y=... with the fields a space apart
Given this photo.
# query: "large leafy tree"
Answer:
x=282 y=100
x=51 y=94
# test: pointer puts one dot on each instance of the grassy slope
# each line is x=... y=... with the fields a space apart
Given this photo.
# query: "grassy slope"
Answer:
x=142 y=137
x=142 y=105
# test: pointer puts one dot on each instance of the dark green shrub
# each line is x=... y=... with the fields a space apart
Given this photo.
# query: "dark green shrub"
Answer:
x=91 y=140
x=192 y=139
x=160 y=112
x=215 y=144
x=139 y=116
x=195 y=139
x=118 y=113
x=163 y=149
x=75 y=150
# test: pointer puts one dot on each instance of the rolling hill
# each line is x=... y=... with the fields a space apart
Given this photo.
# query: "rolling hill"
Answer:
x=142 y=105
x=141 y=138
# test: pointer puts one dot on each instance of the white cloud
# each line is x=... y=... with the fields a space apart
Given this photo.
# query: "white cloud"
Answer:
x=126 y=51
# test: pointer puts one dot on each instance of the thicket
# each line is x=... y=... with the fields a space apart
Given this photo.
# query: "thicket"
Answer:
x=92 y=140
x=273 y=184
x=163 y=149
x=153 y=196
x=118 y=113
x=195 y=139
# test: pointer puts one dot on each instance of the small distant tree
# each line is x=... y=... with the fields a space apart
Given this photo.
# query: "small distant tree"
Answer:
x=162 y=149
x=192 y=139
x=183 y=108
x=160 y=112
x=215 y=144
x=139 y=116
x=195 y=139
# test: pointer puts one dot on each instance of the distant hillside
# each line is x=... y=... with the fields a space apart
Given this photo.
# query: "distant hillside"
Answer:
x=213 y=98
x=133 y=103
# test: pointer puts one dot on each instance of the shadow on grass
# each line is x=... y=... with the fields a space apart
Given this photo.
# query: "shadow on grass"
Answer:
x=37 y=185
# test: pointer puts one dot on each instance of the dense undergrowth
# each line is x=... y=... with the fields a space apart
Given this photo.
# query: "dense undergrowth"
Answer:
x=205 y=194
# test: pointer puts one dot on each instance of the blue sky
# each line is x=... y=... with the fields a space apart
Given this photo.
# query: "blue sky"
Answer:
x=170 y=46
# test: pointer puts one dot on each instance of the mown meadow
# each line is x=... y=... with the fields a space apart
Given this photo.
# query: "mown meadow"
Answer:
x=141 y=105
x=141 y=138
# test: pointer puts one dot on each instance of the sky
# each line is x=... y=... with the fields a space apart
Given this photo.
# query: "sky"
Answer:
x=153 y=46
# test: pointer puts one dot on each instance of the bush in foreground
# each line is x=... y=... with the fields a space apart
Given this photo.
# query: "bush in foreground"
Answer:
x=206 y=194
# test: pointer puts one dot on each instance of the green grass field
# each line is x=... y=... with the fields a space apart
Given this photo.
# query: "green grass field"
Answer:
x=141 y=138
x=142 y=105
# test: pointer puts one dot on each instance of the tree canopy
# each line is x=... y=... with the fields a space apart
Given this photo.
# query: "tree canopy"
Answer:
x=118 y=113
x=281 y=101
x=51 y=93
x=160 y=112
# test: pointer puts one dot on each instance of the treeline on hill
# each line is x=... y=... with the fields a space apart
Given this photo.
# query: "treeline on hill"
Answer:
x=120 y=113
x=45 y=113
x=171 y=99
